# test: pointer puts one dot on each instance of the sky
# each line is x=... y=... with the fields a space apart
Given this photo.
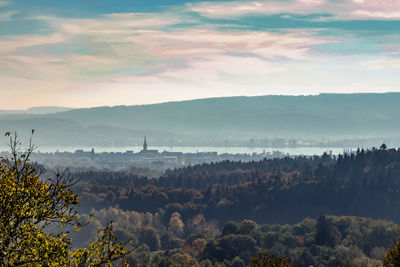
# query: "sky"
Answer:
x=125 y=52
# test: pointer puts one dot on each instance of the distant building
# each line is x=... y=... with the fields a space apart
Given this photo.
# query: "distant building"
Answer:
x=147 y=151
x=145 y=144
x=92 y=153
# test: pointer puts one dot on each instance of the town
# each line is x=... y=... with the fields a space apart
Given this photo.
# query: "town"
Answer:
x=146 y=158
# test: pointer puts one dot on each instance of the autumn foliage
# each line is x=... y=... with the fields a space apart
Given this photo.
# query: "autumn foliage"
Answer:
x=30 y=205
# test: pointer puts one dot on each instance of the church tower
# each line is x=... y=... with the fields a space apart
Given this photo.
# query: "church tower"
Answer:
x=145 y=144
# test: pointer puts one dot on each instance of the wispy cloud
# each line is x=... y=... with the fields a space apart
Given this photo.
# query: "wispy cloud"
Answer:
x=201 y=43
x=7 y=15
x=125 y=23
x=381 y=64
x=120 y=44
x=11 y=44
x=175 y=54
x=341 y=9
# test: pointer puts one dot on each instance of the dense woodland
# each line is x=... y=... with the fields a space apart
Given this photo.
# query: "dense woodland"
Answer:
x=365 y=184
x=224 y=213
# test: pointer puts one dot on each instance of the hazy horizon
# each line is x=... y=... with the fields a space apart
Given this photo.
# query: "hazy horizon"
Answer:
x=27 y=108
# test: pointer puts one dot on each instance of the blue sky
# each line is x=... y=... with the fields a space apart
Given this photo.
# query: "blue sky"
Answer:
x=125 y=52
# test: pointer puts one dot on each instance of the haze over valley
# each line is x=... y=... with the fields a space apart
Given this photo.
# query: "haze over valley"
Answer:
x=325 y=120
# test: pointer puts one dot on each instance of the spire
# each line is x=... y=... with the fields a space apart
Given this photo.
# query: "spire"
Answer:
x=145 y=144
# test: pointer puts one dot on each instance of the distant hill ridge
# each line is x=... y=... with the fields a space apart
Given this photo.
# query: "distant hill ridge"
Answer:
x=36 y=110
x=347 y=114
x=314 y=116
x=46 y=110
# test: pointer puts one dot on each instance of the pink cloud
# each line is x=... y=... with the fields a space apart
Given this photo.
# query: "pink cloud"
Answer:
x=13 y=43
x=159 y=65
x=342 y=10
x=211 y=67
x=122 y=23
x=377 y=14
x=199 y=43
x=212 y=9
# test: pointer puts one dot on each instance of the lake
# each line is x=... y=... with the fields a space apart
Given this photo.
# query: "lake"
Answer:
x=189 y=149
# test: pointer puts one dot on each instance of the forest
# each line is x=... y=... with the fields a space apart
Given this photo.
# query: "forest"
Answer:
x=328 y=210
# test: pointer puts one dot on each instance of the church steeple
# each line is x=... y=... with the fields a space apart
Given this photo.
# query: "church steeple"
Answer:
x=145 y=144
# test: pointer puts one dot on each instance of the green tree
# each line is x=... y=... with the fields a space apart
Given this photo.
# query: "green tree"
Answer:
x=30 y=205
x=149 y=236
x=326 y=233
x=231 y=246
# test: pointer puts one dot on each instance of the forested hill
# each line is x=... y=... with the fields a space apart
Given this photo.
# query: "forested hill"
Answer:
x=320 y=116
x=325 y=114
x=286 y=190
x=229 y=211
